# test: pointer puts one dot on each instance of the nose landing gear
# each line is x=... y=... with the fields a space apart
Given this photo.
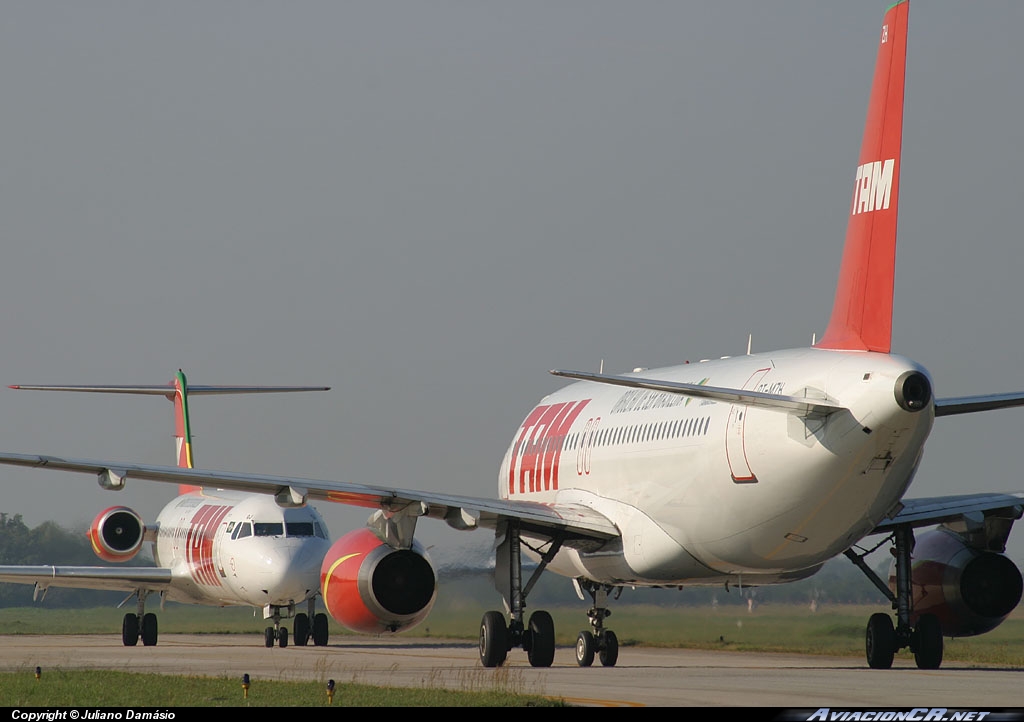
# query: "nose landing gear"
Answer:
x=600 y=642
x=277 y=633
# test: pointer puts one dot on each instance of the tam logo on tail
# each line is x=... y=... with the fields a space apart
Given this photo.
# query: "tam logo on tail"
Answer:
x=861 y=317
x=872 y=189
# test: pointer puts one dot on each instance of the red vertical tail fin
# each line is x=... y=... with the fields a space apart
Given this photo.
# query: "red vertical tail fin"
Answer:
x=182 y=429
x=862 y=313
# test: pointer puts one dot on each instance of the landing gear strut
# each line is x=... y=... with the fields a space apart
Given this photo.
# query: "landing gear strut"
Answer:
x=537 y=637
x=883 y=639
x=277 y=633
x=601 y=642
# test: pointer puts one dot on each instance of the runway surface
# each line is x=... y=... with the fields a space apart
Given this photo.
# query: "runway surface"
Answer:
x=643 y=676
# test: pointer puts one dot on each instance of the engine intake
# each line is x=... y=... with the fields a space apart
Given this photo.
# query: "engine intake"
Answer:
x=371 y=587
x=117 y=534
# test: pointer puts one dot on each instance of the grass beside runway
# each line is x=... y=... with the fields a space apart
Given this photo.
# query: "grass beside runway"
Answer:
x=126 y=690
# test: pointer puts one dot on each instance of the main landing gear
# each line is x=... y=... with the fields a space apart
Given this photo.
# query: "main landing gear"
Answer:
x=537 y=637
x=139 y=625
x=883 y=639
x=304 y=630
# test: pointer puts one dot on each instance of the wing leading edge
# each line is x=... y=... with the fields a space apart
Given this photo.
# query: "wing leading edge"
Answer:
x=577 y=524
x=982 y=521
x=130 y=579
x=791 y=404
x=974 y=404
x=966 y=508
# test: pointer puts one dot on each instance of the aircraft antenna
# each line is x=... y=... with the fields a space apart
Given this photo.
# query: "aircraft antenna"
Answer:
x=750 y=341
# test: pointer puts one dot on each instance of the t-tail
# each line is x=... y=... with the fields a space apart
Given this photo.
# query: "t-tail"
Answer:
x=182 y=429
x=177 y=391
x=862 y=312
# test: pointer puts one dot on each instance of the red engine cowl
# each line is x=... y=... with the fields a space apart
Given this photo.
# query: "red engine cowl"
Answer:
x=371 y=587
x=969 y=590
x=117 y=534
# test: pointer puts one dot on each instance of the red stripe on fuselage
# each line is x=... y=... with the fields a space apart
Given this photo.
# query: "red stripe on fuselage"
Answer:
x=199 y=543
x=538 y=448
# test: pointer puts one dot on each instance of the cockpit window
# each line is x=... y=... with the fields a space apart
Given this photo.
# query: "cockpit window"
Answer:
x=242 y=530
x=268 y=528
x=299 y=528
x=319 y=530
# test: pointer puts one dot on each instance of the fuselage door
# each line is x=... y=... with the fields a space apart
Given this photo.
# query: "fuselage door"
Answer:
x=735 y=449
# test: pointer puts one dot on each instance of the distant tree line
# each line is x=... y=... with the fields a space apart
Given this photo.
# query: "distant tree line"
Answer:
x=47 y=543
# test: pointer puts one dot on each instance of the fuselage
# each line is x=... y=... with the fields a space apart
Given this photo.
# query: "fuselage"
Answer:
x=715 y=491
x=228 y=548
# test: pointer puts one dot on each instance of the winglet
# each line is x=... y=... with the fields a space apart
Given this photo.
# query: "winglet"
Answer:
x=862 y=313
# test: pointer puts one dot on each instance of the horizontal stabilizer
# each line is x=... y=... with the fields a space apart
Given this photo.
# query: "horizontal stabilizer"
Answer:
x=168 y=389
x=974 y=404
x=791 y=404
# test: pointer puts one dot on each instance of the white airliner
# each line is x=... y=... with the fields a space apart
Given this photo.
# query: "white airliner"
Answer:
x=741 y=471
x=219 y=548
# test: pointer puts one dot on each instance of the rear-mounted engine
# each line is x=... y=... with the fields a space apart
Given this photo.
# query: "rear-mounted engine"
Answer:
x=371 y=587
x=117 y=534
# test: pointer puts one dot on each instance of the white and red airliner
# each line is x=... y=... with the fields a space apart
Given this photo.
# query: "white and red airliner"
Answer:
x=741 y=471
x=211 y=547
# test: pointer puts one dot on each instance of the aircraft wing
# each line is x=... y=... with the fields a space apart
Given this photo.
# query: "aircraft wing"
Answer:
x=801 y=405
x=578 y=523
x=987 y=518
x=126 y=579
x=974 y=404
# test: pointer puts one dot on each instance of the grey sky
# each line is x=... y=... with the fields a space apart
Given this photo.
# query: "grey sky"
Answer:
x=427 y=205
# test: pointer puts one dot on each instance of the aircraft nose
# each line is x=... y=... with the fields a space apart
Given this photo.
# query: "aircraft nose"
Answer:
x=289 y=572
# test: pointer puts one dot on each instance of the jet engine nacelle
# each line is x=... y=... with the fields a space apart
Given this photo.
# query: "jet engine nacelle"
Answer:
x=117 y=534
x=971 y=591
x=371 y=587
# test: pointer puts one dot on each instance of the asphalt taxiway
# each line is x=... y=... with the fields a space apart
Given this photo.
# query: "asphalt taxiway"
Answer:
x=643 y=676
